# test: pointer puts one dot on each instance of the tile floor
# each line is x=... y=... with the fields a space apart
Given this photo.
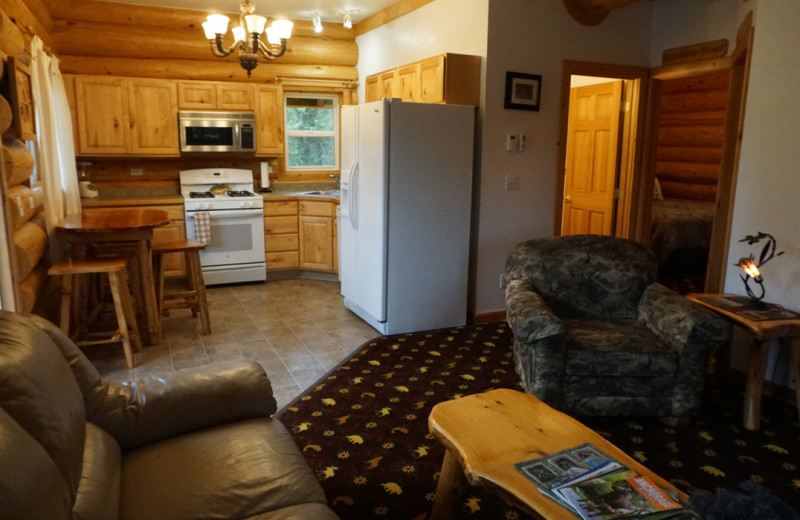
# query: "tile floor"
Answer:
x=296 y=329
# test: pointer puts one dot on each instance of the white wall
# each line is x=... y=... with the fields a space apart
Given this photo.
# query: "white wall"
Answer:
x=457 y=26
x=535 y=36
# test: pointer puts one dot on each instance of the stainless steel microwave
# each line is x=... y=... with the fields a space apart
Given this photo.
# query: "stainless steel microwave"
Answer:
x=217 y=131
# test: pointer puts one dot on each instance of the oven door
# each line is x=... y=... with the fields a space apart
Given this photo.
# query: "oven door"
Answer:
x=237 y=237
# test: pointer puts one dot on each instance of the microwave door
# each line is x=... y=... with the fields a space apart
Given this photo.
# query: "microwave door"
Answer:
x=208 y=136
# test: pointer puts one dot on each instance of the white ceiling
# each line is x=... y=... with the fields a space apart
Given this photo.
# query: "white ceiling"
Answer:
x=329 y=10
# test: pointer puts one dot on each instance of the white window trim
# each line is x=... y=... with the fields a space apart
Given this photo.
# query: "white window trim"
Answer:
x=312 y=133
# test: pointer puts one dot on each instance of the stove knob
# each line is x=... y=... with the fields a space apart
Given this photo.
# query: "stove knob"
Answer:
x=251 y=204
x=201 y=206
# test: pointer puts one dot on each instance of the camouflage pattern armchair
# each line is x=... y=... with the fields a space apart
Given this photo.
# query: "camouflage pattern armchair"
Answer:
x=595 y=335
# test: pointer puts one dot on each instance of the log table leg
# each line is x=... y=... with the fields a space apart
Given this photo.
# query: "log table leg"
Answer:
x=794 y=344
x=450 y=490
x=755 y=384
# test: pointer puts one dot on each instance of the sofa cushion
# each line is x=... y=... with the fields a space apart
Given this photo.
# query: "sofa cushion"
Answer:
x=616 y=348
x=31 y=486
x=39 y=392
x=98 y=491
x=299 y=512
x=236 y=470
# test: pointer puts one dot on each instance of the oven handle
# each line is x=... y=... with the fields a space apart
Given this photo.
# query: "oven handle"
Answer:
x=231 y=213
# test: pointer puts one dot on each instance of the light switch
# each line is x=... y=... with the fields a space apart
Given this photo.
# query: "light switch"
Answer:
x=511 y=143
x=522 y=143
x=512 y=182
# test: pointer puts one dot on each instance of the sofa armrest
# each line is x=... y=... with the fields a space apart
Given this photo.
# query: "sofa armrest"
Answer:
x=529 y=316
x=157 y=407
x=681 y=322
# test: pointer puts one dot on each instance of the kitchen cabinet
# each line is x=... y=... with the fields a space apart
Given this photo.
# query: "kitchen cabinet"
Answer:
x=317 y=221
x=122 y=116
x=281 y=238
x=445 y=78
x=214 y=95
x=269 y=120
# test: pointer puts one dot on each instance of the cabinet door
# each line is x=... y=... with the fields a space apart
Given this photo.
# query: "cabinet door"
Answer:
x=153 y=117
x=234 y=96
x=371 y=89
x=407 y=83
x=102 y=107
x=316 y=243
x=195 y=95
x=269 y=120
x=431 y=80
x=387 y=84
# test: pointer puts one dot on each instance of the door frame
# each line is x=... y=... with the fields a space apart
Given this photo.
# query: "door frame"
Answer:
x=631 y=139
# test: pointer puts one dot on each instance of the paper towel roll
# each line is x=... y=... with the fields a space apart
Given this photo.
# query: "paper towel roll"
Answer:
x=265 y=174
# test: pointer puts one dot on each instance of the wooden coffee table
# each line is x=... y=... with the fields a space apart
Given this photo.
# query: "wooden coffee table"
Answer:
x=486 y=434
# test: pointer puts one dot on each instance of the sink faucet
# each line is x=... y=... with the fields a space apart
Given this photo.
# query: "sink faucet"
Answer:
x=337 y=178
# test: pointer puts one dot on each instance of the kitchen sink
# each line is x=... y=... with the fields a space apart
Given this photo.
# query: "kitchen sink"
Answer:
x=327 y=193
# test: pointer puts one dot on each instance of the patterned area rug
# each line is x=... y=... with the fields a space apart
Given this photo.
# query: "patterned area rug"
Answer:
x=363 y=428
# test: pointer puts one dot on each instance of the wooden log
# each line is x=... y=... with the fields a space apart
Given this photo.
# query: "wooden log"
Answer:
x=12 y=42
x=691 y=172
x=701 y=154
x=31 y=287
x=30 y=245
x=718 y=81
x=213 y=69
x=148 y=16
x=6 y=116
x=18 y=162
x=690 y=136
x=133 y=41
x=694 y=101
x=679 y=190
x=22 y=204
x=702 y=118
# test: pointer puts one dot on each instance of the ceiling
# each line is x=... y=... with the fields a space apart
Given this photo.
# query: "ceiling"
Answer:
x=329 y=10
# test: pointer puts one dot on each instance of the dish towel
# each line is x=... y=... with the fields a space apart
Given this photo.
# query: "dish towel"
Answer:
x=202 y=227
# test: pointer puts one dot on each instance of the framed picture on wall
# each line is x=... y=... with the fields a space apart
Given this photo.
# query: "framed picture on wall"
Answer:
x=523 y=91
x=21 y=98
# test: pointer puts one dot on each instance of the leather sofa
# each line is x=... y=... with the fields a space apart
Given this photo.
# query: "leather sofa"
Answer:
x=193 y=444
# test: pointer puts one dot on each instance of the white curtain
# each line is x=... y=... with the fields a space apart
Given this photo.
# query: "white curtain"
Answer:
x=56 y=149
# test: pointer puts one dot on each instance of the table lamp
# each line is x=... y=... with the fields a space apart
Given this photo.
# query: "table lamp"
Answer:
x=751 y=268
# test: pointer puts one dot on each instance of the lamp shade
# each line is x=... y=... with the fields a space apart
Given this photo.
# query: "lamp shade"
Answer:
x=217 y=24
x=255 y=23
x=283 y=29
x=239 y=33
x=272 y=36
x=209 y=30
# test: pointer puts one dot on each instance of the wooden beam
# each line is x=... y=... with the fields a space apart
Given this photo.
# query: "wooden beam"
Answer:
x=212 y=69
x=389 y=14
x=12 y=42
x=26 y=14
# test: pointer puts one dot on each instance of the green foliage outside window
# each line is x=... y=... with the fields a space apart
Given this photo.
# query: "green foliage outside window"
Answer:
x=310 y=132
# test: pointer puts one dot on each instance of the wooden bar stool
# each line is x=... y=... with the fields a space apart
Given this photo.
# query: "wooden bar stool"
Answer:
x=187 y=292
x=127 y=331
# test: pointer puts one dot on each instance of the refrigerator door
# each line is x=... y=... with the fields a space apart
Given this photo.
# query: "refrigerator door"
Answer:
x=347 y=229
x=369 y=204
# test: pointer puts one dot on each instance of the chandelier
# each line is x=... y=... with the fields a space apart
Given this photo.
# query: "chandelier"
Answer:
x=216 y=25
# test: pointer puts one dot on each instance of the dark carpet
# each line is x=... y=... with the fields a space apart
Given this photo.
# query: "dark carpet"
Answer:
x=363 y=428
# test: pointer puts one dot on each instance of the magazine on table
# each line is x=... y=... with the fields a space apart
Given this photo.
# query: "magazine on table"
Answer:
x=595 y=486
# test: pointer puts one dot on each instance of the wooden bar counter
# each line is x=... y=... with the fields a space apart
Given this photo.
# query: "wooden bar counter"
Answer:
x=123 y=232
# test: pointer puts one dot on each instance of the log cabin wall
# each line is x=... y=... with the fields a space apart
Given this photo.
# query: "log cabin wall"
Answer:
x=690 y=134
x=21 y=200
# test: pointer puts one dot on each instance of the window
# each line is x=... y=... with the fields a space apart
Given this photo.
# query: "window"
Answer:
x=312 y=131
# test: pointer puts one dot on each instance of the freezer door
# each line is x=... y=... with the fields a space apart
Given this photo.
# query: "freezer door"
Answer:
x=347 y=230
x=370 y=208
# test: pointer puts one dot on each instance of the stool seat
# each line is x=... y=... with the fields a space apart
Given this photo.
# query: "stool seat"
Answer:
x=188 y=293
x=117 y=273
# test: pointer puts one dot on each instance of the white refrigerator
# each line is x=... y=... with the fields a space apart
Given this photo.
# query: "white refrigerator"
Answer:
x=406 y=189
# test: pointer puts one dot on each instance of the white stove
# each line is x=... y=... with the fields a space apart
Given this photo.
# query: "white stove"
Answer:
x=222 y=202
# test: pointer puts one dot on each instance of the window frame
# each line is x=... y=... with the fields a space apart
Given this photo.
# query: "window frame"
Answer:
x=335 y=133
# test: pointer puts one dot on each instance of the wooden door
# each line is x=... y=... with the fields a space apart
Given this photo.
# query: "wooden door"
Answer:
x=591 y=162
x=193 y=95
x=153 y=117
x=102 y=107
x=269 y=120
x=316 y=243
x=431 y=80
x=387 y=85
x=407 y=83
x=234 y=96
x=371 y=89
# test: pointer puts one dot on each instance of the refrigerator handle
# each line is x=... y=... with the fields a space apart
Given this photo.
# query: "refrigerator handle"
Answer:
x=352 y=203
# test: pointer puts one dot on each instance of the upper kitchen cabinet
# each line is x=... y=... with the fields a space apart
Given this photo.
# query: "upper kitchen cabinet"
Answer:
x=122 y=116
x=212 y=95
x=269 y=120
x=445 y=78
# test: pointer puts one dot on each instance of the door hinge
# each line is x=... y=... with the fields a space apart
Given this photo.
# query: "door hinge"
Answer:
x=617 y=193
x=625 y=106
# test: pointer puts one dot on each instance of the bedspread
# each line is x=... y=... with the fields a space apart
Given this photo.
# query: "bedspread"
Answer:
x=680 y=224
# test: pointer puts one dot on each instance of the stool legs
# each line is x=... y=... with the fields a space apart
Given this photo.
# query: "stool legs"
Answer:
x=198 y=285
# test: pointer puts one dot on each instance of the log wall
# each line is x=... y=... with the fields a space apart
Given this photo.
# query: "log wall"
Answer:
x=690 y=135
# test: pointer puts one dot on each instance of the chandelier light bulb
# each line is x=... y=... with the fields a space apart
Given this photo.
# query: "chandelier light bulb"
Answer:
x=208 y=28
x=217 y=23
x=283 y=29
x=238 y=33
x=348 y=21
x=317 y=21
x=255 y=23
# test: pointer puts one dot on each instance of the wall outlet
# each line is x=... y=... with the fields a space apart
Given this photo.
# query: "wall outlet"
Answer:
x=503 y=282
x=512 y=182
x=137 y=172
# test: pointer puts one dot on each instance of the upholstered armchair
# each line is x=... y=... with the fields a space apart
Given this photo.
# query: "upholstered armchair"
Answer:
x=595 y=335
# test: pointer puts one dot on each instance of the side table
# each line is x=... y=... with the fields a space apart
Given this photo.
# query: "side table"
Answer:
x=784 y=327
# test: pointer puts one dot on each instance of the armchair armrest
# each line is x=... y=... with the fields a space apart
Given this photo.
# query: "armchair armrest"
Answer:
x=680 y=321
x=529 y=316
x=157 y=407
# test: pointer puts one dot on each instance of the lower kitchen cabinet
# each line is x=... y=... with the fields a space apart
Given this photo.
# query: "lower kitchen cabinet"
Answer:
x=317 y=232
x=281 y=235
x=300 y=235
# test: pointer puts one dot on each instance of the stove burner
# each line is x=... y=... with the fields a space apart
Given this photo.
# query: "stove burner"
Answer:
x=243 y=193
x=201 y=195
